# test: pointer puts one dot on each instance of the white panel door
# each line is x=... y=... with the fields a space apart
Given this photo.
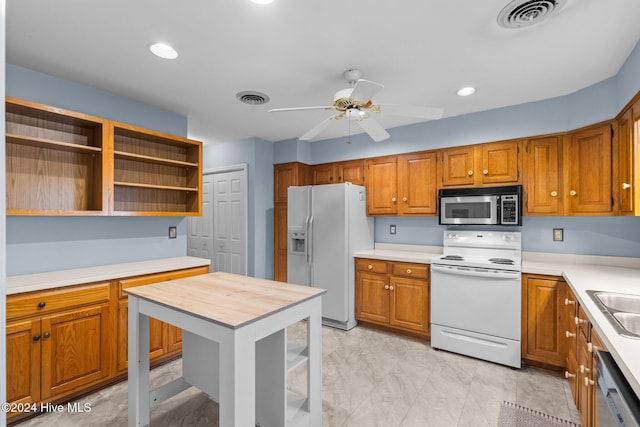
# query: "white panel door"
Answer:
x=200 y=228
x=229 y=222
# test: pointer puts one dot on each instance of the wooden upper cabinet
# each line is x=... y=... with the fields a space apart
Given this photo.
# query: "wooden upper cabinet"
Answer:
x=625 y=179
x=382 y=186
x=588 y=165
x=543 y=176
x=500 y=162
x=458 y=166
x=417 y=183
x=351 y=171
x=323 y=174
x=286 y=175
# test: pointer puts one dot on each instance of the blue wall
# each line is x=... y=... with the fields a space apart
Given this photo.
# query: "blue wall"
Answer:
x=37 y=244
x=584 y=235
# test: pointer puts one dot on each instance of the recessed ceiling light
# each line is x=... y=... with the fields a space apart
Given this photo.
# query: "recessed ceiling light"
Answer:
x=163 y=50
x=262 y=1
x=466 y=91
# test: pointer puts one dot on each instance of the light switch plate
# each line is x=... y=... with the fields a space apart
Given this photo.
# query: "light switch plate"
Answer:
x=392 y=229
x=558 y=234
x=173 y=232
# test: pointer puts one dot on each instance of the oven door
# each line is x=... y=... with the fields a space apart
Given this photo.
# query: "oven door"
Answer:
x=616 y=403
x=474 y=210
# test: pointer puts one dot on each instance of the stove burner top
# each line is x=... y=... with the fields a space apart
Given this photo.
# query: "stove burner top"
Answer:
x=501 y=261
x=453 y=257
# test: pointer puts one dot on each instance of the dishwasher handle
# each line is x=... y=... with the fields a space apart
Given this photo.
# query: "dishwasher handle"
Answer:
x=476 y=272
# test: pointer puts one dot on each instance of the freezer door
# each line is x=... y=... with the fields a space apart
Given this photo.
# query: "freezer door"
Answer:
x=328 y=242
x=298 y=219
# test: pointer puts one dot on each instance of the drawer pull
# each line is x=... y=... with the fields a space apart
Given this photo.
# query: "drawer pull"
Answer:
x=588 y=382
x=42 y=304
x=583 y=369
x=568 y=375
x=36 y=338
x=590 y=347
x=408 y=271
x=569 y=334
x=370 y=267
x=567 y=301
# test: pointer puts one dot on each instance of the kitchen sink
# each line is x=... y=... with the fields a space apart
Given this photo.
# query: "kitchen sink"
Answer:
x=622 y=311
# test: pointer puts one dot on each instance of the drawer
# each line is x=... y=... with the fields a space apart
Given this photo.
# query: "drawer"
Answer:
x=418 y=271
x=43 y=302
x=371 y=265
x=583 y=324
x=156 y=278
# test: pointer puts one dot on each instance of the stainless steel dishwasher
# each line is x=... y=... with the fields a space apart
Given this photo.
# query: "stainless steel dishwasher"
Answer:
x=617 y=404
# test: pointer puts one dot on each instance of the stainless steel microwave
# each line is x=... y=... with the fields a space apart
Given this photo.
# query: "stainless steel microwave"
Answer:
x=481 y=206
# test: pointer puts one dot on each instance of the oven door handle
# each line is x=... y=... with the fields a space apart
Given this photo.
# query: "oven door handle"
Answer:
x=476 y=272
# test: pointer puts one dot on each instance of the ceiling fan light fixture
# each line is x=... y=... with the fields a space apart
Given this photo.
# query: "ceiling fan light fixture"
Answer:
x=262 y=1
x=466 y=91
x=163 y=50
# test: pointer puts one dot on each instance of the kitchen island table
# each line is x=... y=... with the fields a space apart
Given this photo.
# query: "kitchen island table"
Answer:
x=234 y=347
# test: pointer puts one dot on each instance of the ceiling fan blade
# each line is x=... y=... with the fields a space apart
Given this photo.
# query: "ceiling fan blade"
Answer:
x=326 y=107
x=418 y=111
x=316 y=129
x=374 y=129
x=364 y=90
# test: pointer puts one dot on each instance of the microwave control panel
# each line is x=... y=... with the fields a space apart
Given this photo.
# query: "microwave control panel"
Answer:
x=509 y=209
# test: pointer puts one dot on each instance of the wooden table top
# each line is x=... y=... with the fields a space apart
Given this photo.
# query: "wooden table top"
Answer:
x=224 y=298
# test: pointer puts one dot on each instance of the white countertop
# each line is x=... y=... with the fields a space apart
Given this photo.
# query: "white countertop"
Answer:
x=56 y=279
x=582 y=273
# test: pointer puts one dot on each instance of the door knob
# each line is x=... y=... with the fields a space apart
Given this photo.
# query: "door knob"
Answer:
x=626 y=186
x=569 y=334
x=573 y=192
x=554 y=194
x=46 y=335
x=404 y=199
x=386 y=286
x=408 y=271
x=588 y=382
x=370 y=267
x=568 y=375
x=393 y=199
x=567 y=301
x=470 y=173
x=390 y=288
x=36 y=338
x=486 y=171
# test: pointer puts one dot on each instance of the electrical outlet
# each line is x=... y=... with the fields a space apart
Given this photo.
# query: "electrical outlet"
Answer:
x=173 y=232
x=392 y=229
x=558 y=234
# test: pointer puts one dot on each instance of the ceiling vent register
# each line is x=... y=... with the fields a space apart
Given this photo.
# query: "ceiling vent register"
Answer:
x=252 y=97
x=524 y=13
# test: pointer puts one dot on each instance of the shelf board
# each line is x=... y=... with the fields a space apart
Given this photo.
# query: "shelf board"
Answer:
x=54 y=212
x=49 y=143
x=296 y=411
x=296 y=355
x=150 y=159
x=154 y=186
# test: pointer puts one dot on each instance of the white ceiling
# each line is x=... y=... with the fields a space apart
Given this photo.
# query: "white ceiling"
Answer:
x=296 y=50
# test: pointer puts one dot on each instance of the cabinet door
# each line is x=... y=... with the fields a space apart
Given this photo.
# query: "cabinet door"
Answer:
x=372 y=298
x=543 y=185
x=589 y=166
x=585 y=396
x=323 y=174
x=382 y=186
x=417 y=183
x=500 y=162
x=544 y=340
x=156 y=336
x=76 y=350
x=280 y=242
x=351 y=171
x=458 y=166
x=23 y=362
x=174 y=339
x=409 y=304
x=286 y=175
x=625 y=184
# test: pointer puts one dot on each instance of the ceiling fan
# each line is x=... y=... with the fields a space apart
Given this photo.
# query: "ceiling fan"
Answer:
x=355 y=103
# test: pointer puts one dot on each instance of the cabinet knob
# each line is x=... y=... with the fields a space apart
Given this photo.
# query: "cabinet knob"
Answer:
x=485 y=172
x=46 y=335
x=470 y=173
x=569 y=334
x=370 y=267
x=590 y=347
x=583 y=369
x=626 y=186
x=573 y=192
x=386 y=287
x=42 y=304
x=408 y=271
x=578 y=320
x=568 y=375
x=393 y=199
x=588 y=382
x=36 y=338
x=554 y=194
x=567 y=301
x=404 y=199
x=390 y=288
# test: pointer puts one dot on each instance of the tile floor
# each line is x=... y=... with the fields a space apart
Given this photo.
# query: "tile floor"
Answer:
x=370 y=378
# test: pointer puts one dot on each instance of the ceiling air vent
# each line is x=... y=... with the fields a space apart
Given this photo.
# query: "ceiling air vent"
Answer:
x=252 y=97
x=523 y=13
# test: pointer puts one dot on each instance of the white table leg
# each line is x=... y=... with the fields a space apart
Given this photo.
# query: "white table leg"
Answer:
x=237 y=379
x=138 y=349
x=314 y=383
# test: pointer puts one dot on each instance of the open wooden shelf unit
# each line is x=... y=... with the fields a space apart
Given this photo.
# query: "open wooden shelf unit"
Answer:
x=64 y=163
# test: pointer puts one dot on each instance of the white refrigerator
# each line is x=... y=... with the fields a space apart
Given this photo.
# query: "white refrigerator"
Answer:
x=326 y=225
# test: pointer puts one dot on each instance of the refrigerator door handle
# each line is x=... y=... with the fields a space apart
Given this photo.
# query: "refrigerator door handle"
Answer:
x=310 y=251
x=306 y=240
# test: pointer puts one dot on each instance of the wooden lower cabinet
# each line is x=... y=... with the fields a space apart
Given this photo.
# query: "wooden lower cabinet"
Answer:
x=53 y=352
x=543 y=326
x=164 y=340
x=394 y=295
